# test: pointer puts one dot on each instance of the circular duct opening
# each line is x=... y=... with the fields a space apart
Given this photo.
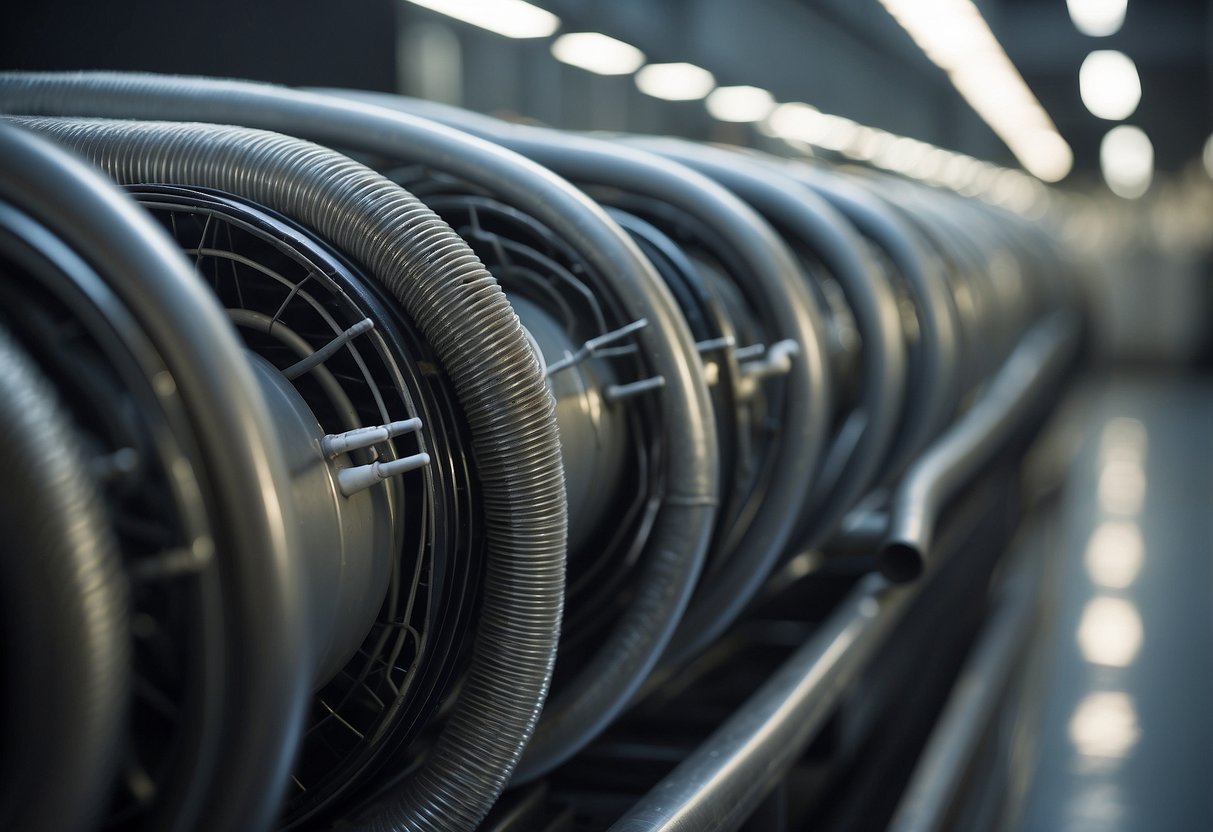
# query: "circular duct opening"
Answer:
x=390 y=559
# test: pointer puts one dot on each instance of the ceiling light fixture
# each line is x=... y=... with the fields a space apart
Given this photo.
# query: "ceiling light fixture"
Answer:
x=740 y=104
x=1126 y=157
x=796 y=121
x=1097 y=18
x=1109 y=84
x=511 y=18
x=799 y=124
x=954 y=35
x=597 y=53
x=675 y=82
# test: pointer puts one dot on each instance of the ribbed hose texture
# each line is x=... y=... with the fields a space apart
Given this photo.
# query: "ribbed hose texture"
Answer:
x=466 y=318
x=682 y=531
x=63 y=609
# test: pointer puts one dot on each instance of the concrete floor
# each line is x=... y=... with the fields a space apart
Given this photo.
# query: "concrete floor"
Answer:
x=1126 y=740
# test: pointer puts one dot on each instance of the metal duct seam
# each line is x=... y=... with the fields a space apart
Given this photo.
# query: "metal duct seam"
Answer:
x=462 y=311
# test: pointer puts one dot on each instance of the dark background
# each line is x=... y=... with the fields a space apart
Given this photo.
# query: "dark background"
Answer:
x=846 y=57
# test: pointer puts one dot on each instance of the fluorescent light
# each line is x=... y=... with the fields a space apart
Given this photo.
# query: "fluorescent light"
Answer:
x=1126 y=157
x=954 y=35
x=597 y=53
x=1097 y=18
x=797 y=121
x=959 y=172
x=675 y=82
x=902 y=154
x=866 y=143
x=1207 y=156
x=1109 y=84
x=1122 y=482
x=512 y=18
x=1124 y=439
x=1052 y=156
x=740 y=104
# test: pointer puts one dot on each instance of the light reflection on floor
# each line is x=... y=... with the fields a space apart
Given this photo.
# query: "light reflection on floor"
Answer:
x=1127 y=738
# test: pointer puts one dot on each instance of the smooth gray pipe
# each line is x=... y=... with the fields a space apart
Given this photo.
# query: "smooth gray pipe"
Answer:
x=851 y=468
x=935 y=355
x=63 y=608
x=720 y=783
x=1034 y=368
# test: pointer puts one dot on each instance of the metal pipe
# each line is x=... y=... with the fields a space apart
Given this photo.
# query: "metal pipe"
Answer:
x=728 y=776
x=852 y=466
x=980 y=688
x=935 y=355
x=1033 y=369
x=779 y=291
x=681 y=534
x=718 y=785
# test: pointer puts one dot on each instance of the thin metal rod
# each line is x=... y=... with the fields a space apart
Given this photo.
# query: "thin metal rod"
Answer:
x=715 y=344
x=1030 y=374
x=328 y=350
x=777 y=361
x=335 y=444
x=361 y=477
x=595 y=345
x=617 y=392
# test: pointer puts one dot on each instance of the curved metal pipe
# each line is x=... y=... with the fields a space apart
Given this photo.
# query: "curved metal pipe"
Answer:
x=795 y=210
x=721 y=782
x=63 y=602
x=991 y=321
x=936 y=355
x=1035 y=367
x=145 y=269
x=684 y=524
x=778 y=279
x=467 y=320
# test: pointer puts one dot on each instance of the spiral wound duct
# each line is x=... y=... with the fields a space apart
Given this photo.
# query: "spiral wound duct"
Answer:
x=465 y=316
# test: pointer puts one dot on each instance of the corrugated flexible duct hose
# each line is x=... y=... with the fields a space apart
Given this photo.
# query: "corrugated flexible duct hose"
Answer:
x=673 y=559
x=464 y=314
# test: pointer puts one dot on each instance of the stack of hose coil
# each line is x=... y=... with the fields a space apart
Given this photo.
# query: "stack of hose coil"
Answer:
x=304 y=446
